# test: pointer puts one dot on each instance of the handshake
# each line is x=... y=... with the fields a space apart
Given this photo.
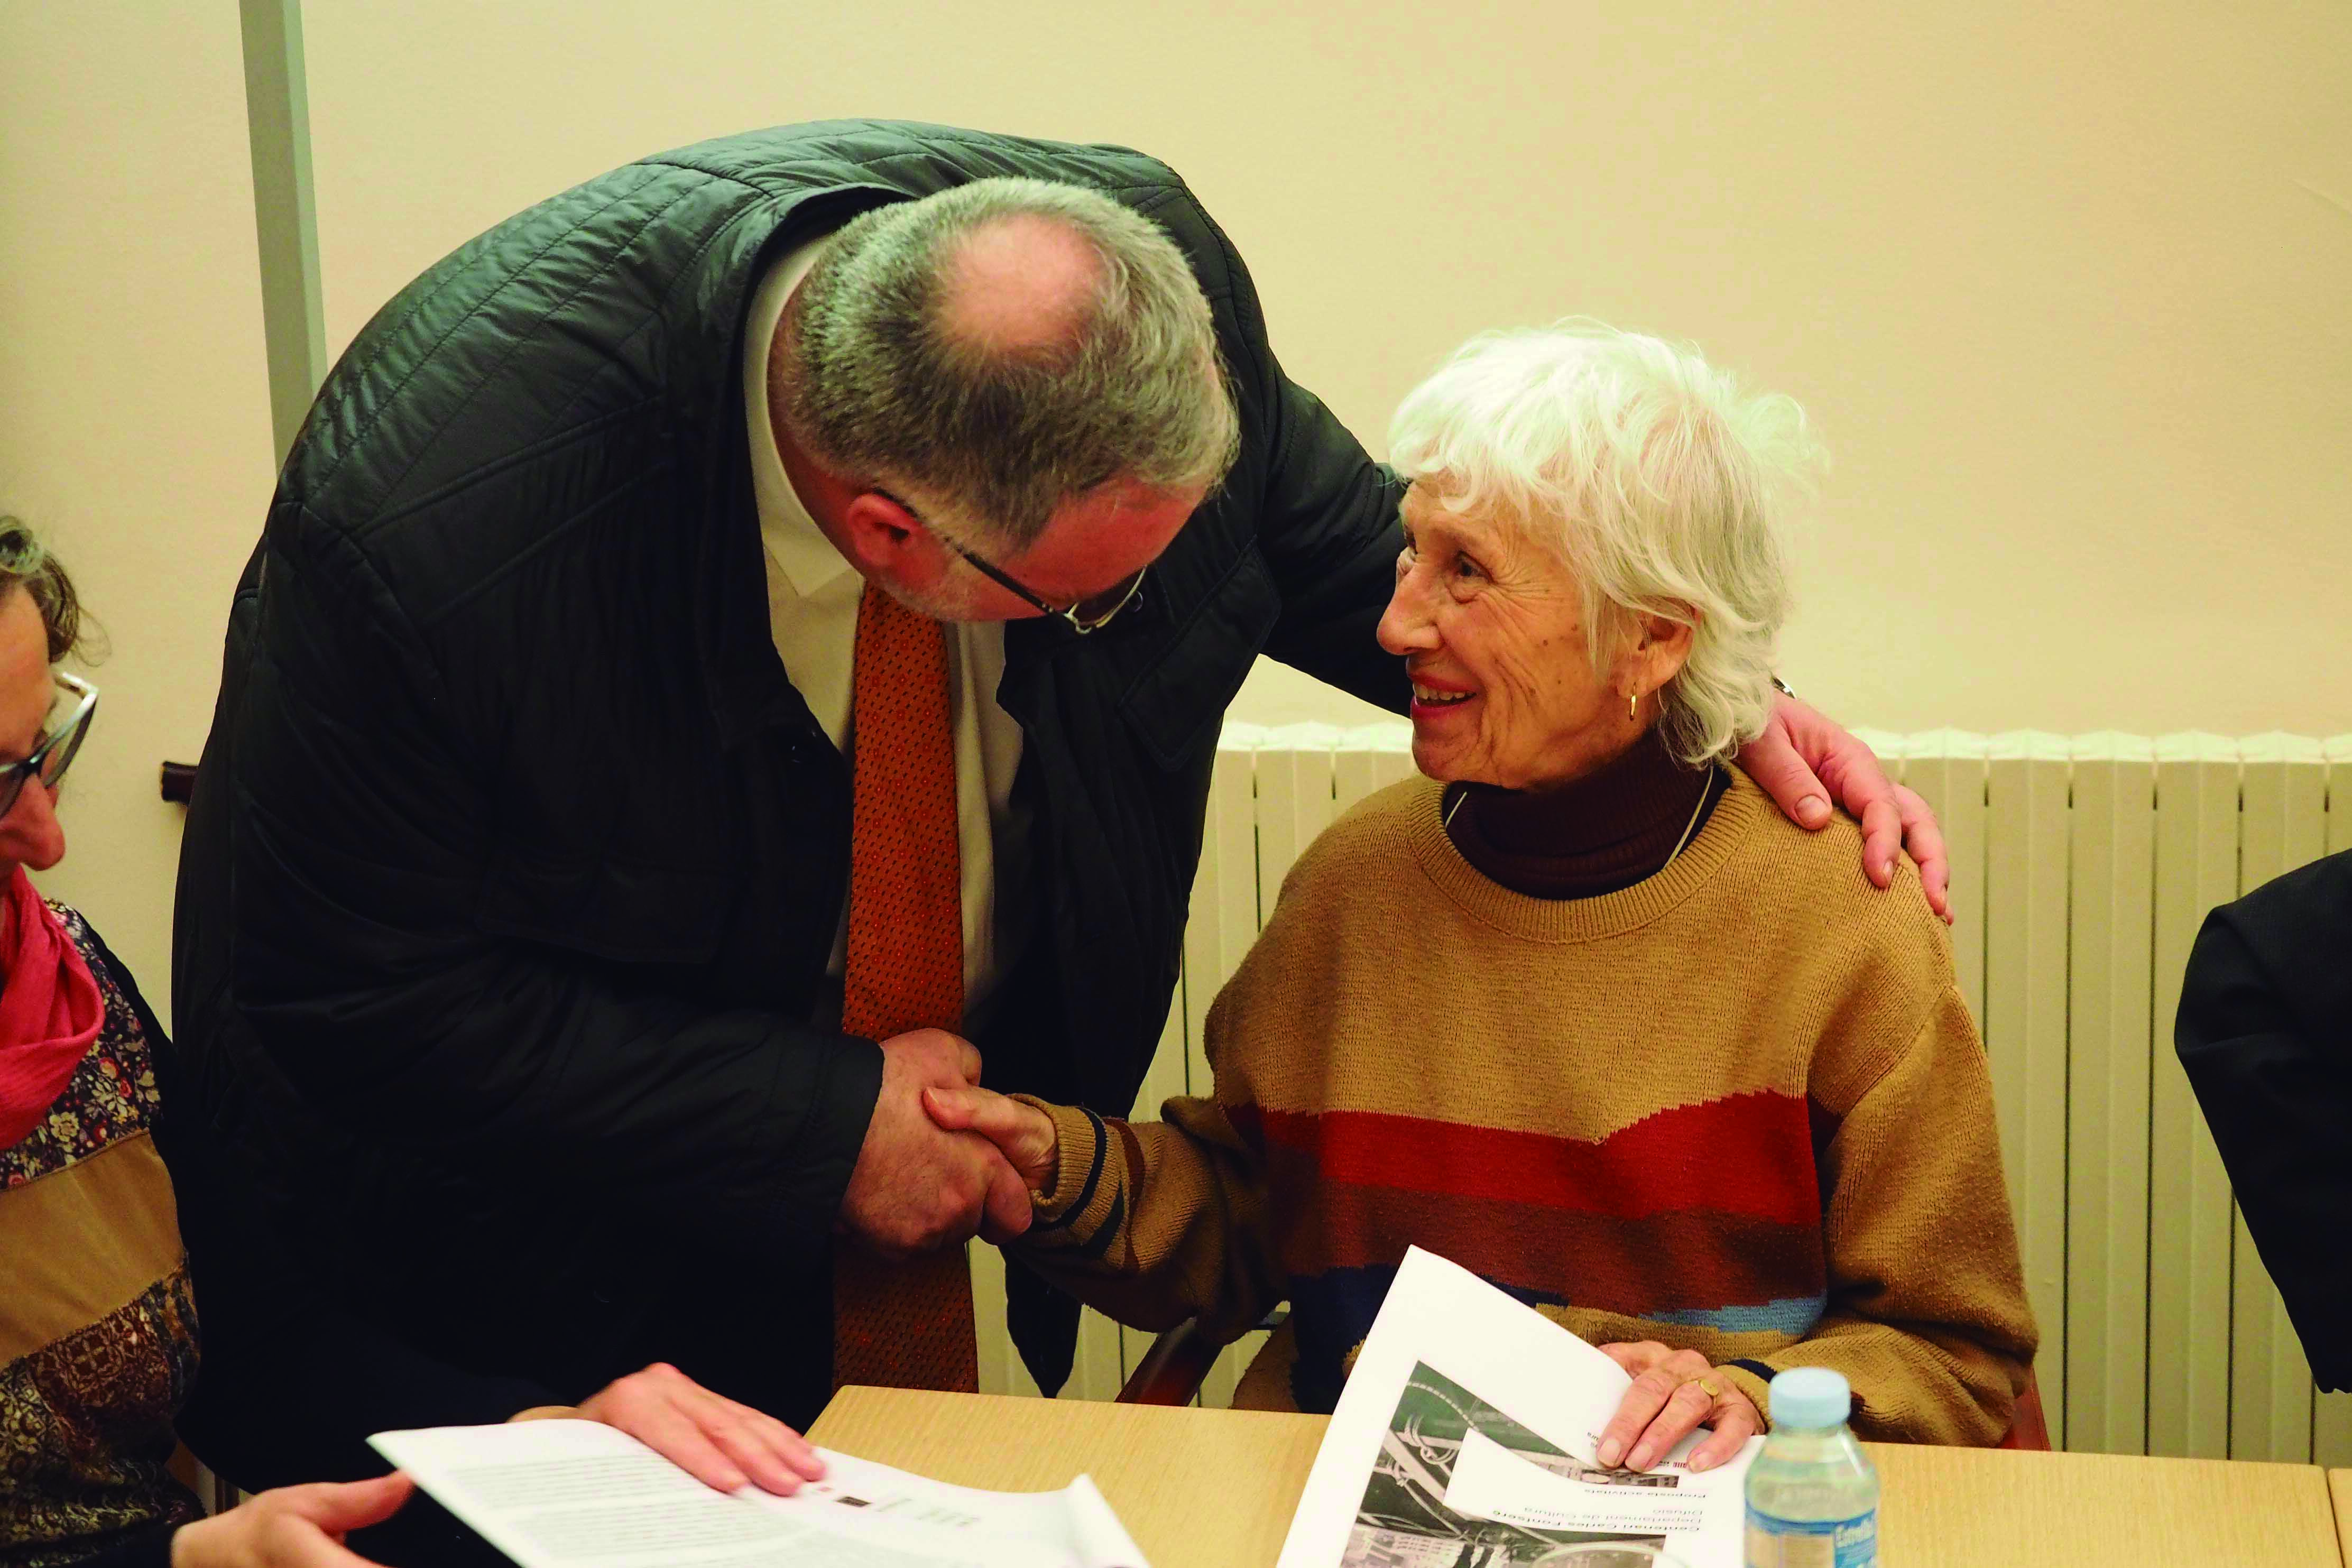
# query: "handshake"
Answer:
x=943 y=1158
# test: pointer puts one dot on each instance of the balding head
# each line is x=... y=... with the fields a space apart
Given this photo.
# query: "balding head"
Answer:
x=1002 y=348
x=1021 y=287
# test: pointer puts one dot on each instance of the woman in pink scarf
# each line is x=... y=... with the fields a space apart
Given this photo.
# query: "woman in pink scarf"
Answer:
x=98 y=1321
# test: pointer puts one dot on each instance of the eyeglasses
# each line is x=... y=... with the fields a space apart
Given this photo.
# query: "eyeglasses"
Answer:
x=54 y=753
x=1088 y=615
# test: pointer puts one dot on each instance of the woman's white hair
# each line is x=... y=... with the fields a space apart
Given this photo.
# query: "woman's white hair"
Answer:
x=1651 y=475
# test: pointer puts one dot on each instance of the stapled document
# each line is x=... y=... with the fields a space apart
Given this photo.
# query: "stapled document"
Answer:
x=1468 y=1434
x=565 y=1494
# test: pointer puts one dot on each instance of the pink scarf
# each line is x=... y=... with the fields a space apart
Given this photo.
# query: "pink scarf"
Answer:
x=49 y=1009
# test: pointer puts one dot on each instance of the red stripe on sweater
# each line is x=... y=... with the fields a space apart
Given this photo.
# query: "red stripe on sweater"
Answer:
x=1677 y=1260
x=1749 y=1154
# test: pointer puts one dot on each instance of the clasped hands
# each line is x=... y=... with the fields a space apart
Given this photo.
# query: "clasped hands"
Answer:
x=926 y=1179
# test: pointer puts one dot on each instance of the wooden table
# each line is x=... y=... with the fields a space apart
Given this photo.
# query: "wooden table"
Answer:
x=1214 y=1488
x=2340 y=1483
x=1957 y=1507
x=1197 y=1488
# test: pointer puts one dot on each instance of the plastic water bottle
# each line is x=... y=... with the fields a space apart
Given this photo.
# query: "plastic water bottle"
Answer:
x=1812 y=1498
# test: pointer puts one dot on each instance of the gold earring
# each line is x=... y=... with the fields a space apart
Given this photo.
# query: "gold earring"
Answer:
x=1634 y=703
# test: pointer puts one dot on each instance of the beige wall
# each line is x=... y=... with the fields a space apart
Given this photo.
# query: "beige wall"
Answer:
x=2064 y=285
x=134 y=420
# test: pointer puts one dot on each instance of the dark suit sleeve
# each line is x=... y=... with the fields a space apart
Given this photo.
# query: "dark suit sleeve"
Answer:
x=1327 y=520
x=2265 y=1035
x=362 y=829
x=291 y=1382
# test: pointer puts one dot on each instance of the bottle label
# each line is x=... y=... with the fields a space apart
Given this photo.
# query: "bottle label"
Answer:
x=1811 y=1543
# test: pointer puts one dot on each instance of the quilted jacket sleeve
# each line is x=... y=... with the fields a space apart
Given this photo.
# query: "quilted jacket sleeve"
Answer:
x=362 y=826
x=1327 y=520
x=2263 y=1035
x=291 y=1378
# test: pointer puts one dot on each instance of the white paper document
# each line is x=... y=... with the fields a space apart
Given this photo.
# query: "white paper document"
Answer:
x=1466 y=1438
x=579 y=1494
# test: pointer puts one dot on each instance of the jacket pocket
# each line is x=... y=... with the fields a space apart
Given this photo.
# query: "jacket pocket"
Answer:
x=631 y=911
x=1177 y=703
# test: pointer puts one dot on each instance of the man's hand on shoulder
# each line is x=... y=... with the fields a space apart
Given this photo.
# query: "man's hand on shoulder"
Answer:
x=1804 y=762
x=916 y=1185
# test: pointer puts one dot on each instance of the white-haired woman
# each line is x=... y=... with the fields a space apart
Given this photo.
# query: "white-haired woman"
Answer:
x=1578 y=1010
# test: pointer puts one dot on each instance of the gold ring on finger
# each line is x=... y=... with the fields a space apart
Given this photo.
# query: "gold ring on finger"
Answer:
x=1707 y=1386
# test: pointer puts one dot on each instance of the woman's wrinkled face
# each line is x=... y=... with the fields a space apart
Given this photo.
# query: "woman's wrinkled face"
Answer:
x=29 y=835
x=1491 y=627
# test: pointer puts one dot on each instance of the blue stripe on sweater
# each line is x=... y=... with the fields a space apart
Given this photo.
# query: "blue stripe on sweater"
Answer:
x=1794 y=1316
x=1331 y=1314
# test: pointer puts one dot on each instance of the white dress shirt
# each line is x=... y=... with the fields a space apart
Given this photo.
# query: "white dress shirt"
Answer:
x=812 y=594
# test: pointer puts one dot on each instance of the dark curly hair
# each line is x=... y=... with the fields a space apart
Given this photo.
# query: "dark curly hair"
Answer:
x=24 y=559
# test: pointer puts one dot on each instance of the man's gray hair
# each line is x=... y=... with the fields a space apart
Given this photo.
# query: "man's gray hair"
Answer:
x=1651 y=475
x=880 y=388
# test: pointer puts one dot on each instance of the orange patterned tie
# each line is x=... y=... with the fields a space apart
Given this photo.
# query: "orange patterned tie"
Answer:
x=903 y=1325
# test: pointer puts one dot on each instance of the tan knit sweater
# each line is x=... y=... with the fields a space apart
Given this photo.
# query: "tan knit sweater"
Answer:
x=1738 y=1107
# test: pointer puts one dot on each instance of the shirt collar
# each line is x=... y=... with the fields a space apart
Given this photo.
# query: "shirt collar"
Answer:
x=808 y=558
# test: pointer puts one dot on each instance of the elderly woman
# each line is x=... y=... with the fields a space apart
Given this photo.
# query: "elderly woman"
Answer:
x=100 y=1308
x=1578 y=1010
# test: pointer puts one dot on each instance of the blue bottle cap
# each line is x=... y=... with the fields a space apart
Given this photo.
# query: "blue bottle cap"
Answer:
x=1811 y=1397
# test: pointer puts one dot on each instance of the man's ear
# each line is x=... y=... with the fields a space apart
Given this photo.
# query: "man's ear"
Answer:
x=881 y=536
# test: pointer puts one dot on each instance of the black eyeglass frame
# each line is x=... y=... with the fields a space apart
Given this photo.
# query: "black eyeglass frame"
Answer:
x=67 y=735
x=1125 y=593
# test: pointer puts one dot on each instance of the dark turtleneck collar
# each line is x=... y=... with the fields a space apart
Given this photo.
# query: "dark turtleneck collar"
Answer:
x=1606 y=831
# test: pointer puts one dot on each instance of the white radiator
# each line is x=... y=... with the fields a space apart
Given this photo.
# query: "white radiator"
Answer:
x=2082 y=867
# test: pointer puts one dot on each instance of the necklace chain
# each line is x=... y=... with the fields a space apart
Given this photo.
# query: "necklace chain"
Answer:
x=1691 y=825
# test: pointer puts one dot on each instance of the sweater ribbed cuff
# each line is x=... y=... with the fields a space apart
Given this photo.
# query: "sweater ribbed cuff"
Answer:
x=1081 y=1145
x=1743 y=1376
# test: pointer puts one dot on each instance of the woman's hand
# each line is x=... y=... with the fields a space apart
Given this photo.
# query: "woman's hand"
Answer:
x=709 y=1436
x=292 y=1527
x=1023 y=1133
x=1673 y=1393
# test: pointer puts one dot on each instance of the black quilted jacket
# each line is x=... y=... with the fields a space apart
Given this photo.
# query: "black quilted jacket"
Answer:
x=515 y=857
x=2264 y=1033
